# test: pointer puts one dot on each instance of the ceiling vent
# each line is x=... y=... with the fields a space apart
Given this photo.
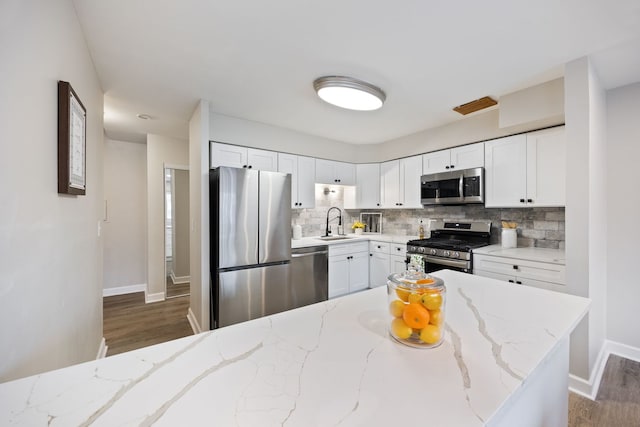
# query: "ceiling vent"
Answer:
x=473 y=106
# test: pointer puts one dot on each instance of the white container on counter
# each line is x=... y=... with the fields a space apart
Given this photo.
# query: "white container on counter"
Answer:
x=509 y=238
x=297 y=232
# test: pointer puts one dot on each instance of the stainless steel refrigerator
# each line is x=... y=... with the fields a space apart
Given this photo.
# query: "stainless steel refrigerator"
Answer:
x=250 y=244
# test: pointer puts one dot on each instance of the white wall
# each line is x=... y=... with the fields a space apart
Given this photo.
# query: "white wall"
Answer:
x=125 y=231
x=160 y=150
x=533 y=105
x=258 y=135
x=623 y=207
x=199 y=209
x=585 y=214
x=50 y=252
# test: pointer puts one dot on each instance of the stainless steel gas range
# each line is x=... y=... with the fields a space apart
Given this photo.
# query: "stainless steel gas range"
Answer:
x=450 y=246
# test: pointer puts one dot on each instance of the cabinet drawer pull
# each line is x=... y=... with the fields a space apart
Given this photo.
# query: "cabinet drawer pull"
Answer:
x=515 y=267
x=518 y=282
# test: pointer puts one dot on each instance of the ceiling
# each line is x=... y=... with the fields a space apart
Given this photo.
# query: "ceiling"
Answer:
x=257 y=60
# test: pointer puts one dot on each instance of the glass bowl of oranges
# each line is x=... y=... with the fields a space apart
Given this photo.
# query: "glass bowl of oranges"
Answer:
x=417 y=308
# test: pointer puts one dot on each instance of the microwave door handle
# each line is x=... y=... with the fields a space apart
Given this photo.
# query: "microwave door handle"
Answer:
x=461 y=187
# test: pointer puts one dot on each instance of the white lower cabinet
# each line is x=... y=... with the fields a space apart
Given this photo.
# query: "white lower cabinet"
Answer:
x=348 y=268
x=398 y=253
x=520 y=271
x=379 y=263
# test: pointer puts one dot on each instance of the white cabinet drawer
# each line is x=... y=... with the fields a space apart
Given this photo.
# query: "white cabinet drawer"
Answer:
x=379 y=247
x=398 y=249
x=521 y=280
x=521 y=269
x=348 y=248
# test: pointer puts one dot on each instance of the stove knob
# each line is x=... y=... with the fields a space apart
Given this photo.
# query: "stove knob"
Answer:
x=433 y=251
x=447 y=253
x=456 y=255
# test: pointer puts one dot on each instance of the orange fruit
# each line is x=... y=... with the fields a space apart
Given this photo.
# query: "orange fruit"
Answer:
x=435 y=317
x=431 y=301
x=400 y=329
x=396 y=308
x=414 y=297
x=415 y=316
x=403 y=294
x=430 y=334
x=426 y=281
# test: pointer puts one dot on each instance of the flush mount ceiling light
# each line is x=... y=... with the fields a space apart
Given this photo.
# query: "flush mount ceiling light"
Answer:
x=350 y=93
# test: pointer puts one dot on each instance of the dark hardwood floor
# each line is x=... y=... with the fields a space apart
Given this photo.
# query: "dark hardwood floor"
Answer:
x=618 y=400
x=130 y=324
x=178 y=289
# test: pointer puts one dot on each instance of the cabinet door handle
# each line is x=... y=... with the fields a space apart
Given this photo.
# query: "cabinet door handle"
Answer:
x=521 y=200
x=244 y=166
x=377 y=204
x=453 y=166
x=510 y=281
x=370 y=254
x=378 y=246
x=447 y=167
x=339 y=180
x=529 y=200
x=250 y=166
x=398 y=249
x=518 y=282
x=515 y=267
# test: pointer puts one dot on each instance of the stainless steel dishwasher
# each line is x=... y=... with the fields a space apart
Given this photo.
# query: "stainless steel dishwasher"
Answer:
x=309 y=275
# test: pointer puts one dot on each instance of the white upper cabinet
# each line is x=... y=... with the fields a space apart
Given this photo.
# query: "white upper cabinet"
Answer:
x=526 y=170
x=333 y=172
x=506 y=172
x=243 y=157
x=366 y=193
x=546 y=167
x=228 y=155
x=464 y=157
x=302 y=170
x=262 y=160
x=400 y=183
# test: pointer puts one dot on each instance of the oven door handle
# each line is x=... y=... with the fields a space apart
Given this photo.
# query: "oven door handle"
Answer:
x=445 y=261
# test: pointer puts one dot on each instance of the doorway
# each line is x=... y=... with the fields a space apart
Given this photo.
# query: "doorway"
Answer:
x=176 y=235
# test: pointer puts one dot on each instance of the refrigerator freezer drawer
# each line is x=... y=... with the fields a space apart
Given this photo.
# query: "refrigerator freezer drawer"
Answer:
x=251 y=293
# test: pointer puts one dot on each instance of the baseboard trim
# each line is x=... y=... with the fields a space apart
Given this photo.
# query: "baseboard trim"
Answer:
x=177 y=280
x=623 y=350
x=102 y=349
x=589 y=389
x=193 y=322
x=122 y=290
x=149 y=298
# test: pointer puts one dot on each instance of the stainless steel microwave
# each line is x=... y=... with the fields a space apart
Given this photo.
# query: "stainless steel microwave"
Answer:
x=453 y=187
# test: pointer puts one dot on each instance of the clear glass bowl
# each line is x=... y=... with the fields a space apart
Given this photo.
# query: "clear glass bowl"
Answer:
x=416 y=305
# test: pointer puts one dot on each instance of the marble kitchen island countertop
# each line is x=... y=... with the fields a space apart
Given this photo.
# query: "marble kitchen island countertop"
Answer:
x=326 y=364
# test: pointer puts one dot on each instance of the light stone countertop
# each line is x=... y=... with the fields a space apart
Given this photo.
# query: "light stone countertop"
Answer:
x=325 y=364
x=316 y=241
x=553 y=256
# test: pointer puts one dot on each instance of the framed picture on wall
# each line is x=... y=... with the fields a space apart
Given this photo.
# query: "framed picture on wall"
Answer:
x=72 y=141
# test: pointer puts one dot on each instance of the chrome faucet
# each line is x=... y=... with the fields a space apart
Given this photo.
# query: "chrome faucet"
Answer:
x=328 y=230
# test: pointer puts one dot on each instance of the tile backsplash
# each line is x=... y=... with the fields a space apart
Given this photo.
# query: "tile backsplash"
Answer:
x=537 y=227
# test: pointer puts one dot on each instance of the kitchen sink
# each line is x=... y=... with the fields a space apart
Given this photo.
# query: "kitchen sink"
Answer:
x=334 y=237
